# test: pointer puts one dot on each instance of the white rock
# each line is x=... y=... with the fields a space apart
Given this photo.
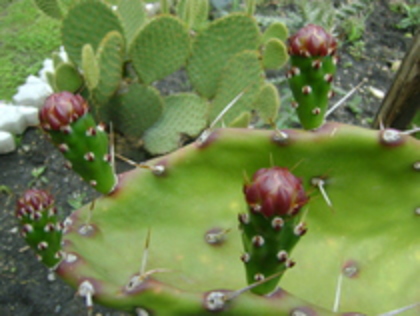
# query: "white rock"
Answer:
x=7 y=143
x=15 y=119
x=47 y=67
x=33 y=92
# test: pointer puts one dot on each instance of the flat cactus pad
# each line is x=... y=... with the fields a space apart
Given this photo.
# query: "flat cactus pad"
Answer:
x=362 y=241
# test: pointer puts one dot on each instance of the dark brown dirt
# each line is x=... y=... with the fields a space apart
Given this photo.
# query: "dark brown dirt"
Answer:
x=24 y=287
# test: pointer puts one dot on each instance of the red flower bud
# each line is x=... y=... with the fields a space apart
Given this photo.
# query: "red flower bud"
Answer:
x=33 y=201
x=275 y=191
x=312 y=40
x=61 y=109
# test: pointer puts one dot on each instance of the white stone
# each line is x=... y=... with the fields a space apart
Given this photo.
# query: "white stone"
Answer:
x=33 y=92
x=15 y=119
x=7 y=142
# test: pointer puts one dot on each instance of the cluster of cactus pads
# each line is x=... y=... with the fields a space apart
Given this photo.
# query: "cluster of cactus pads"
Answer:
x=332 y=212
x=117 y=55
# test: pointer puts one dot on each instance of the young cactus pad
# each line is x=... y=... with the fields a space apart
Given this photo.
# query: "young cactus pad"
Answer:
x=362 y=215
x=40 y=228
x=313 y=65
x=72 y=129
x=272 y=226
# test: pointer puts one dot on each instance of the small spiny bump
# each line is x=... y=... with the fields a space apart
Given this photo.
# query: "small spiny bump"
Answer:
x=70 y=257
x=316 y=111
x=300 y=229
x=91 y=131
x=63 y=148
x=26 y=229
x=158 y=169
x=215 y=301
x=245 y=257
x=43 y=245
x=330 y=94
x=294 y=104
x=101 y=127
x=416 y=166
x=328 y=78
x=49 y=227
x=390 y=137
x=289 y=263
x=277 y=223
x=107 y=158
x=316 y=64
x=350 y=269
x=93 y=183
x=258 y=241
x=281 y=137
x=52 y=212
x=259 y=277
x=90 y=156
x=282 y=256
x=306 y=90
x=255 y=208
x=417 y=211
x=66 y=129
x=243 y=218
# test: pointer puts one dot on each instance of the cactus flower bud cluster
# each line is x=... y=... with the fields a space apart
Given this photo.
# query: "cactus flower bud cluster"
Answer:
x=62 y=109
x=313 y=65
x=312 y=41
x=66 y=119
x=39 y=225
x=271 y=227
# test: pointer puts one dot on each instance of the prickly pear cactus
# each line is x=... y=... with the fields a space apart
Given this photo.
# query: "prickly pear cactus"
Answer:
x=362 y=219
x=313 y=65
x=271 y=227
x=73 y=130
x=40 y=227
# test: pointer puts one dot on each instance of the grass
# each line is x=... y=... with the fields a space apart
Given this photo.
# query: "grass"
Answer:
x=27 y=37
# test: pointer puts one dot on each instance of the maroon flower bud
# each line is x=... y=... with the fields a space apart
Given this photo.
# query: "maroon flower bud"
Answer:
x=312 y=40
x=33 y=201
x=275 y=191
x=61 y=109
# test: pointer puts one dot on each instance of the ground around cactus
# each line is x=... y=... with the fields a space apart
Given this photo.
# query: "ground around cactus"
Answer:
x=25 y=288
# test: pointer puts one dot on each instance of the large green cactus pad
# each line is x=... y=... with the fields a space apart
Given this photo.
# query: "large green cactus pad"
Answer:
x=184 y=115
x=160 y=48
x=87 y=23
x=368 y=238
x=110 y=57
x=133 y=16
x=135 y=110
x=215 y=45
x=242 y=74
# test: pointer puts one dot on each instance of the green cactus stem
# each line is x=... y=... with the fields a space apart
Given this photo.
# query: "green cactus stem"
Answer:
x=313 y=65
x=368 y=238
x=40 y=228
x=271 y=227
x=73 y=130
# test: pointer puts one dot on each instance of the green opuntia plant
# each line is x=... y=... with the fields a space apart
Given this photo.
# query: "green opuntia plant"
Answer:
x=120 y=54
x=40 y=227
x=313 y=65
x=352 y=192
x=271 y=227
x=84 y=144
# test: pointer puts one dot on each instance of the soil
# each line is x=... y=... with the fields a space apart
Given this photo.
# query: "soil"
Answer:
x=24 y=285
